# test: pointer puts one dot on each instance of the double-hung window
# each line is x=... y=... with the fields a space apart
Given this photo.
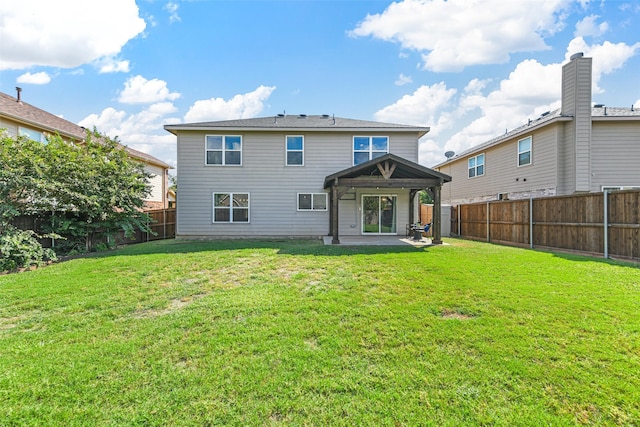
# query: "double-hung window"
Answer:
x=476 y=166
x=225 y=150
x=524 y=151
x=230 y=207
x=366 y=148
x=312 y=201
x=295 y=150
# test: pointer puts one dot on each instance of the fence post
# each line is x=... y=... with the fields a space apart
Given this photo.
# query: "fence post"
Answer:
x=606 y=223
x=531 y=222
x=459 y=222
x=488 y=222
x=164 y=223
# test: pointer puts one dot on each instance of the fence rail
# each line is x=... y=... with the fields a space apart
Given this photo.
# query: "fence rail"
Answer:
x=599 y=223
x=162 y=226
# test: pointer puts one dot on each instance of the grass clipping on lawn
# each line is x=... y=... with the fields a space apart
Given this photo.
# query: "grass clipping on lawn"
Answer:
x=296 y=333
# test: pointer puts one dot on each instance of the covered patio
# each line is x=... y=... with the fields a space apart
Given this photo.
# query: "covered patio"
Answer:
x=386 y=172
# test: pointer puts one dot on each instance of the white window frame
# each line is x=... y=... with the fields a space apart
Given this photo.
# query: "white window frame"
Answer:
x=231 y=207
x=370 y=150
x=223 y=150
x=475 y=167
x=287 y=150
x=29 y=133
x=530 y=150
x=313 y=196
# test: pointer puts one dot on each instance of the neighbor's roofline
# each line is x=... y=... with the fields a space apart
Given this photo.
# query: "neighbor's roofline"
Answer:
x=497 y=141
x=44 y=127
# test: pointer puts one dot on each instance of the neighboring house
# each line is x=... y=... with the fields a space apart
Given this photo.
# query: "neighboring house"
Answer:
x=576 y=149
x=299 y=175
x=20 y=118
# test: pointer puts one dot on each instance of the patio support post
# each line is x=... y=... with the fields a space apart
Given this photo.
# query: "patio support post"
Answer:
x=412 y=204
x=437 y=215
x=330 y=213
x=334 y=214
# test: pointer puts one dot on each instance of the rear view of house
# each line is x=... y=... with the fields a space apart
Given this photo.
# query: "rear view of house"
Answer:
x=579 y=148
x=299 y=175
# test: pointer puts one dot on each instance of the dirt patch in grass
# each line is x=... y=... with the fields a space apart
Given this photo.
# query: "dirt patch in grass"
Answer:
x=456 y=314
x=174 y=305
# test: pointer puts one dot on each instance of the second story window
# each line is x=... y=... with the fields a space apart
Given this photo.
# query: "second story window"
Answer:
x=295 y=150
x=31 y=134
x=524 y=151
x=366 y=148
x=476 y=166
x=223 y=150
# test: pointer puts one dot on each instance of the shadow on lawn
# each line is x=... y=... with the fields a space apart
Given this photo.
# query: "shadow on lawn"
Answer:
x=282 y=246
x=569 y=256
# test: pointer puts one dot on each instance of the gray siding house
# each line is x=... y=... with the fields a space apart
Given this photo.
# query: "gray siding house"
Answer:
x=298 y=175
x=576 y=149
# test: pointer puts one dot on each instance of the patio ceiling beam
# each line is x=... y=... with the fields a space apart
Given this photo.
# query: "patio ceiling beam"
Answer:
x=412 y=183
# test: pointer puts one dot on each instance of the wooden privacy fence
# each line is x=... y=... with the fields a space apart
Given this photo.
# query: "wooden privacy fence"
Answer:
x=600 y=223
x=162 y=225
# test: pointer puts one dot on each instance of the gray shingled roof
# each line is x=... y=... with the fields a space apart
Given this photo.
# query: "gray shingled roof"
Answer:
x=597 y=113
x=297 y=122
x=28 y=114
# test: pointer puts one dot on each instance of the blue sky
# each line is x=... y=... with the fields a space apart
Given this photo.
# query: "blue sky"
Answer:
x=468 y=69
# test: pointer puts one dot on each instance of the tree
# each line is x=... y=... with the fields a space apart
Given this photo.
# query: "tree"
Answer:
x=425 y=198
x=83 y=190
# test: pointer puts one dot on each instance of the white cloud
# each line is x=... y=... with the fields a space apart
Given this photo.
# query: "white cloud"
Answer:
x=420 y=108
x=607 y=57
x=172 y=8
x=483 y=32
x=588 y=27
x=40 y=78
x=403 y=80
x=112 y=65
x=142 y=131
x=138 y=90
x=48 y=33
x=239 y=107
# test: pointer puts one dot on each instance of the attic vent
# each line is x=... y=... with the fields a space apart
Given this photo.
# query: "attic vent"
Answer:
x=598 y=106
x=280 y=115
x=302 y=116
x=546 y=113
x=325 y=116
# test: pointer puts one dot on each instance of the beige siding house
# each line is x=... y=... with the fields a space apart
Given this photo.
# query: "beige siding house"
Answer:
x=578 y=148
x=19 y=118
x=298 y=175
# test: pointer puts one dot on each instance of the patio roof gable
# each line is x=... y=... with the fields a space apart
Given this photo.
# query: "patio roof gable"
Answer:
x=388 y=170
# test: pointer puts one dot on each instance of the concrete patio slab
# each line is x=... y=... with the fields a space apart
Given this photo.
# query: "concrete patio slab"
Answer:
x=379 y=241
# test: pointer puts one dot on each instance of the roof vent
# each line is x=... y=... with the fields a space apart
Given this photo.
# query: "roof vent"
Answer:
x=18 y=90
x=302 y=116
x=598 y=106
x=546 y=113
x=280 y=115
x=325 y=116
x=576 y=56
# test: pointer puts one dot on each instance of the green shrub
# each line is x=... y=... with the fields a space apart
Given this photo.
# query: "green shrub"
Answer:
x=21 y=249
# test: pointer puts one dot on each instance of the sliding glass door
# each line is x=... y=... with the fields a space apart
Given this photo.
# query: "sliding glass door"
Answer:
x=379 y=215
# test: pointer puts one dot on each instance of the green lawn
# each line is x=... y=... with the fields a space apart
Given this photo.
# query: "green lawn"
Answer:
x=296 y=333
